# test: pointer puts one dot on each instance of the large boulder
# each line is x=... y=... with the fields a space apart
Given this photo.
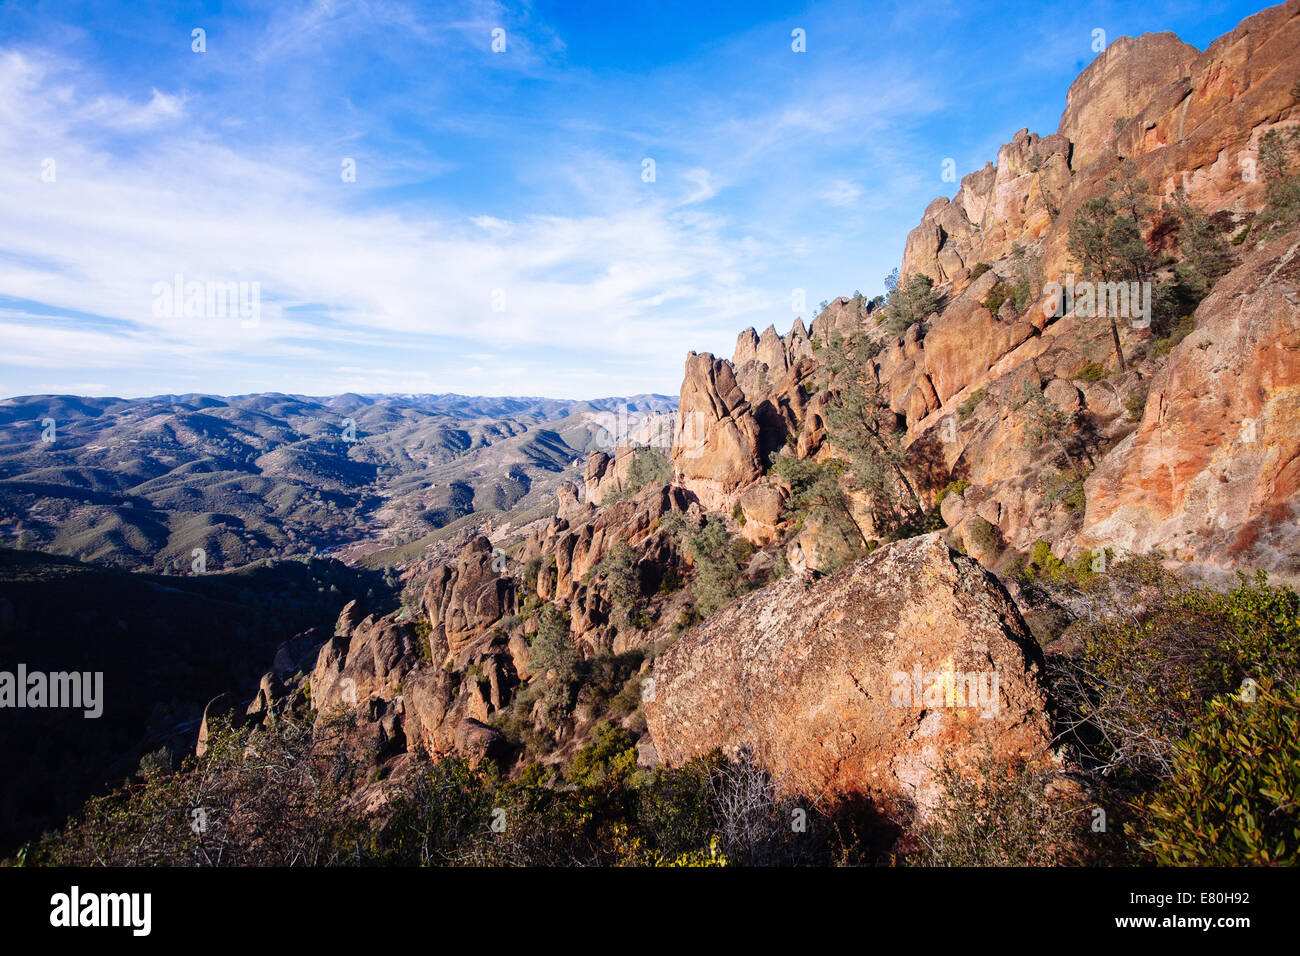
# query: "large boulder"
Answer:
x=861 y=684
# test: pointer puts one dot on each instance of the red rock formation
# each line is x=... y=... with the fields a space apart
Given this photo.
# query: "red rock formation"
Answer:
x=1213 y=471
x=804 y=674
x=462 y=600
x=1190 y=119
x=1119 y=84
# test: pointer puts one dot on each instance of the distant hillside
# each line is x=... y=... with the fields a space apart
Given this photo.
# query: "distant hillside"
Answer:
x=142 y=483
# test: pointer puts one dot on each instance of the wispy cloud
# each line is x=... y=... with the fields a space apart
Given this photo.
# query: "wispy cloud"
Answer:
x=499 y=235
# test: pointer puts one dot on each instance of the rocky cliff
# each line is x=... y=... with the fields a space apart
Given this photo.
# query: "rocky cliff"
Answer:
x=1016 y=424
x=1177 y=119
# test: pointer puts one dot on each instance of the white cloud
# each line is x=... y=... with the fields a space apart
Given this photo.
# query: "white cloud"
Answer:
x=98 y=238
x=595 y=265
x=705 y=188
x=842 y=192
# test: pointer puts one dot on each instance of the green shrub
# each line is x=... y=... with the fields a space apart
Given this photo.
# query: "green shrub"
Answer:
x=1000 y=292
x=1092 y=372
x=1232 y=797
x=687 y=620
x=552 y=649
x=532 y=567
x=611 y=756
x=650 y=466
x=818 y=497
x=719 y=566
x=622 y=577
x=979 y=270
x=967 y=408
x=1135 y=402
x=262 y=796
x=984 y=535
x=1175 y=331
x=1278 y=149
x=1067 y=488
x=911 y=299
x=957 y=487
x=1137 y=687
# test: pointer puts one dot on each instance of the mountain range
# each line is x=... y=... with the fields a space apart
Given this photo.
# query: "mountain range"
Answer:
x=979 y=543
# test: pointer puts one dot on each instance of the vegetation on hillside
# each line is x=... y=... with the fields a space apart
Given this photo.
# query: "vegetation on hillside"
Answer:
x=908 y=300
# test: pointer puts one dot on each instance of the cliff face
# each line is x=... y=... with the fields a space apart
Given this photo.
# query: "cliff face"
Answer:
x=1181 y=119
x=1184 y=118
x=1192 y=448
x=1212 y=473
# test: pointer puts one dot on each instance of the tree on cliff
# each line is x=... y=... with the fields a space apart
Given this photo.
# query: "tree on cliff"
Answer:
x=863 y=427
x=909 y=300
x=1105 y=238
x=622 y=581
x=1206 y=258
x=719 y=565
x=817 y=497
x=1277 y=151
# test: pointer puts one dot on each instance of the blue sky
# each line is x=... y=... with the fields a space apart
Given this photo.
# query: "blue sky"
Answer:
x=499 y=237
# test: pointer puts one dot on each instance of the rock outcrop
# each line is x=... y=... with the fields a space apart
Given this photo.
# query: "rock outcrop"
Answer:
x=1117 y=85
x=461 y=600
x=733 y=415
x=994 y=207
x=1213 y=471
x=857 y=685
x=1178 y=119
x=570 y=547
x=817 y=678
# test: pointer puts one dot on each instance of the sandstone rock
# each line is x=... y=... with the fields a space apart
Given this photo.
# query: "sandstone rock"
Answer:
x=428 y=698
x=349 y=618
x=805 y=675
x=521 y=654
x=567 y=503
x=1213 y=471
x=1118 y=84
x=952 y=508
x=269 y=691
x=761 y=504
x=716 y=444
x=604 y=477
x=479 y=742
x=369 y=663
x=1063 y=395
x=993 y=208
x=462 y=601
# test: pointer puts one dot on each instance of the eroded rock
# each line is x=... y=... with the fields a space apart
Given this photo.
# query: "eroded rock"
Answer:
x=805 y=674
